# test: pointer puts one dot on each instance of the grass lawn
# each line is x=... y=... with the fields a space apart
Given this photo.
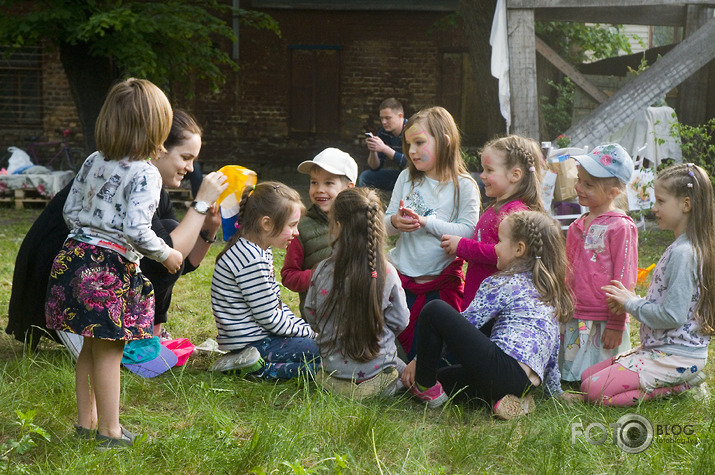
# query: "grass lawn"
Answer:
x=199 y=422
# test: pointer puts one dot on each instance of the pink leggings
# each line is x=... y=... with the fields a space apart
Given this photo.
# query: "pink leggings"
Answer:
x=611 y=384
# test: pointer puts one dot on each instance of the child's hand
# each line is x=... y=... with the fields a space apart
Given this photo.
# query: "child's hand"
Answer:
x=173 y=262
x=617 y=293
x=408 y=375
x=449 y=243
x=571 y=397
x=610 y=339
x=405 y=220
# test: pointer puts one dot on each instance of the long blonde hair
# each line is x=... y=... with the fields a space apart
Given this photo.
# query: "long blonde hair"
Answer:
x=545 y=256
x=354 y=302
x=449 y=164
x=690 y=181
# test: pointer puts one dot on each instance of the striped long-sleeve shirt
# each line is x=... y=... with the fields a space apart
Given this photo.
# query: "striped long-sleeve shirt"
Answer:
x=246 y=299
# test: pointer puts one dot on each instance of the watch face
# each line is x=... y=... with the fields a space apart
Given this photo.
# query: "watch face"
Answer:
x=201 y=207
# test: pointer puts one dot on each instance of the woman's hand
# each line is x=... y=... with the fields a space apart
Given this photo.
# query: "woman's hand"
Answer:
x=408 y=375
x=211 y=187
x=212 y=221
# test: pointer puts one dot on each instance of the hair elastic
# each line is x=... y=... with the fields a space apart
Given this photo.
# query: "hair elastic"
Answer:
x=537 y=257
x=374 y=274
x=532 y=169
x=690 y=185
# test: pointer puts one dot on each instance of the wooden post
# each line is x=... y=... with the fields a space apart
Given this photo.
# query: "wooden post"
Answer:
x=694 y=90
x=522 y=73
x=678 y=64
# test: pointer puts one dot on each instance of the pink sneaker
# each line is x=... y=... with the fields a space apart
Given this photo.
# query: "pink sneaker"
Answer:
x=434 y=396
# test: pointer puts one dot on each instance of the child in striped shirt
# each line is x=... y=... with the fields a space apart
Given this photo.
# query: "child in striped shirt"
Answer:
x=261 y=333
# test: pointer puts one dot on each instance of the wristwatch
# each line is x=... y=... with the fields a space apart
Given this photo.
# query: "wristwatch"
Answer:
x=201 y=207
x=205 y=236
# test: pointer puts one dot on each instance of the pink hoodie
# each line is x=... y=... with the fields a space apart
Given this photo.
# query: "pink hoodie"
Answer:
x=607 y=250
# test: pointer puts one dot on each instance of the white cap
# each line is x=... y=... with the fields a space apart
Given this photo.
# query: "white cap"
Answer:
x=334 y=161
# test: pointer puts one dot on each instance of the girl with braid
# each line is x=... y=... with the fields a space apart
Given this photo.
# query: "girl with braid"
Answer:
x=355 y=302
x=253 y=324
x=434 y=196
x=601 y=245
x=678 y=313
x=526 y=300
x=512 y=167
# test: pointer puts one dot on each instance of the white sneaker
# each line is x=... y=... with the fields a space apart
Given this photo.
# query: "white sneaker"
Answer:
x=700 y=392
x=511 y=406
x=238 y=360
x=697 y=379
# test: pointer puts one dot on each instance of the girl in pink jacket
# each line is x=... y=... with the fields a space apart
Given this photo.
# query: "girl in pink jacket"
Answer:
x=601 y=246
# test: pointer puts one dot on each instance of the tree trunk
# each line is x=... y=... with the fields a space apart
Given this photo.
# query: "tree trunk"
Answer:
x=90 y=78
x=477 y=19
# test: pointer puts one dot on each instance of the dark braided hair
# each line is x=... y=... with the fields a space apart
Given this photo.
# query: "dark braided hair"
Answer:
x=689 y=181
x=525 y=154
x=354 y=303
x=270 y=199
x=545 y=256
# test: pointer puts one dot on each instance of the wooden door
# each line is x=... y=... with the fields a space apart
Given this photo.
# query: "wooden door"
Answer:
x=315 y=90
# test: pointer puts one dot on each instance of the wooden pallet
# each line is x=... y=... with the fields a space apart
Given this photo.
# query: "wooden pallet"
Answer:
x=21 y=197
x=180 y=196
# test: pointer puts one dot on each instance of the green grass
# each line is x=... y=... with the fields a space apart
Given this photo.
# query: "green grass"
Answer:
x=199 y=422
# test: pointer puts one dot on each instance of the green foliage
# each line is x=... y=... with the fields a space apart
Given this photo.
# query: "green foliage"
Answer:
x=205 y=423
x=28 y=431
x=161 y=41
x=697 y=144
x=557 y=115
x=472 y=159
x=578 y=42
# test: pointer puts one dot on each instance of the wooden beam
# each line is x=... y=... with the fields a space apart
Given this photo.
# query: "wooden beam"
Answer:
x=522 y=73
x=579 y=79
x=659 y=15
x=693 y=107
x=680 y=63
x=602 y=3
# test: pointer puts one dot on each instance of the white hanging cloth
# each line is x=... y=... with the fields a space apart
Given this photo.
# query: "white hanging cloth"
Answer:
x=499 y=41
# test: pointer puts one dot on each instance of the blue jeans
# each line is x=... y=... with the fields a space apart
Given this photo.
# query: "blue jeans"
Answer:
x=383 y=179
x=286 y=357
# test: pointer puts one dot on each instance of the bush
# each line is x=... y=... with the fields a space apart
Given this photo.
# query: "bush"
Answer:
x=698 y=144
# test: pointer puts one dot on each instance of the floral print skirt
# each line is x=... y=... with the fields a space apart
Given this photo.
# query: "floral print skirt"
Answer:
x=97 y=293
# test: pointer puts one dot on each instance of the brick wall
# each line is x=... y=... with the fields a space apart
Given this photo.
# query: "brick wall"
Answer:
x=382 y=54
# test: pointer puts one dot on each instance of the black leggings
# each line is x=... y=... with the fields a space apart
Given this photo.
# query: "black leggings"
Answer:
x=161 y=280
x=483 y=371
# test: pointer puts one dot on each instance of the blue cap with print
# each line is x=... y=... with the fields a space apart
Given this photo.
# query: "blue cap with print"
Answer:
x=606 y=161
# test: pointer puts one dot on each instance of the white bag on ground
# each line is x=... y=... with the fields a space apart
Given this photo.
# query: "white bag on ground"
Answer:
x=18 y=161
